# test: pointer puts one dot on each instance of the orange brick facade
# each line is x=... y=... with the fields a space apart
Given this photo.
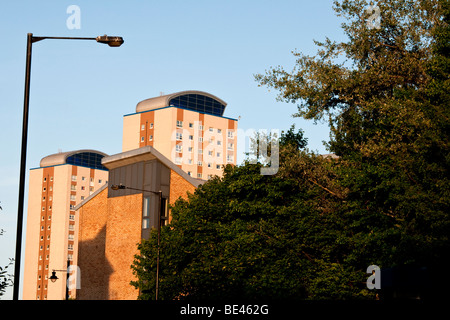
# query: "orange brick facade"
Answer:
x=109 y=233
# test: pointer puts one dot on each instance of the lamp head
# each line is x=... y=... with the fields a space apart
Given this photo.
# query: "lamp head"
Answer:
x=111 y=41
x=117 y=186
x=53 y=278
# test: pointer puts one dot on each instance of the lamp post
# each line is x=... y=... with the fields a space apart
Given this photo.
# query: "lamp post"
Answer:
x=53 y=278
x=121 y=186
x=112 y=42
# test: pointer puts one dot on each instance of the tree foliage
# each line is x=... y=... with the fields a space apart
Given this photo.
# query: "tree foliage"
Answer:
x=385 y=93
x=5 y=278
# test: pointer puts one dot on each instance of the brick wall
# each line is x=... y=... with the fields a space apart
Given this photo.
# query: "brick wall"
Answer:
x=123 y=237
x=91 y=249
x=178 y=188
x=109 y=233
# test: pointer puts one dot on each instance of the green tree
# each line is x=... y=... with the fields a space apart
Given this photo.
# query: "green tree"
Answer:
x=253 y=236
x=385 y=93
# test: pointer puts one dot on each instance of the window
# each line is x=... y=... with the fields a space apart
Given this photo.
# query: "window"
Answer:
x=230 y=134
x=71 y=237
x=200 y=139
x=74 y=178
x=200 y=127
x=142 y=139
x=99 y=180
x=71 y=227
x=150 y=138
x=211 y=129
x=43 y=208
x=191 y=125
x=210 y=176
x=190 y=149
x=210 y=153
x=83 y=178
x=200 y=151
x=70 y=247
x=199 y=175
x=219 y=130
x=229 y=158
x=230 y=146
x=73 y=187
x=45 y=179
x=218 y=166
x=83 y=187
x=143 y=127
x=191 y=137
x=179 y=136
x=200 y=163
x=151 y=125
x=209 y=165
x=45 y=189
x=146 y=213
x=189 y=161
x=72 y=197
x=71 y=217
x=43 y=199
x=218 y=154
x=189 y=173
x=179 y=123
x=219 y=143
x=178 y=160
x=178 y=148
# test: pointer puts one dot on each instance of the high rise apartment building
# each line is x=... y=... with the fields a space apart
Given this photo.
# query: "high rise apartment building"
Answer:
x=62 y=181
x=184 y=134
x=188 y=128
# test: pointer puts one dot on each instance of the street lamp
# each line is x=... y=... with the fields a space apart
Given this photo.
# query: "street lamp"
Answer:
x=53 y=278
x=121 y=186
x=112 y=42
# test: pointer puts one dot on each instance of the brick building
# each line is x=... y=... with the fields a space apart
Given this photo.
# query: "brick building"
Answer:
x=60 y=182
x=113 y=222
x=187 y=127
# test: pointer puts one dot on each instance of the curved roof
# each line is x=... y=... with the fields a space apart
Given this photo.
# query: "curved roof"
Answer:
x=86 y=158
x=193 y=100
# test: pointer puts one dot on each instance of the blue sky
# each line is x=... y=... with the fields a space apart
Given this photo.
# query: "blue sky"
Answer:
x=81 y=89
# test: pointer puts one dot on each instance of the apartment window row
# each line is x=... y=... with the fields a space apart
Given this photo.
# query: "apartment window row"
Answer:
x=200 y=175
x=150 y=126
x=91 y=180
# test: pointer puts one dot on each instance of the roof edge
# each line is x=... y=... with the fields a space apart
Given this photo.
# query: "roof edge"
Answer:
x=163 y=101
